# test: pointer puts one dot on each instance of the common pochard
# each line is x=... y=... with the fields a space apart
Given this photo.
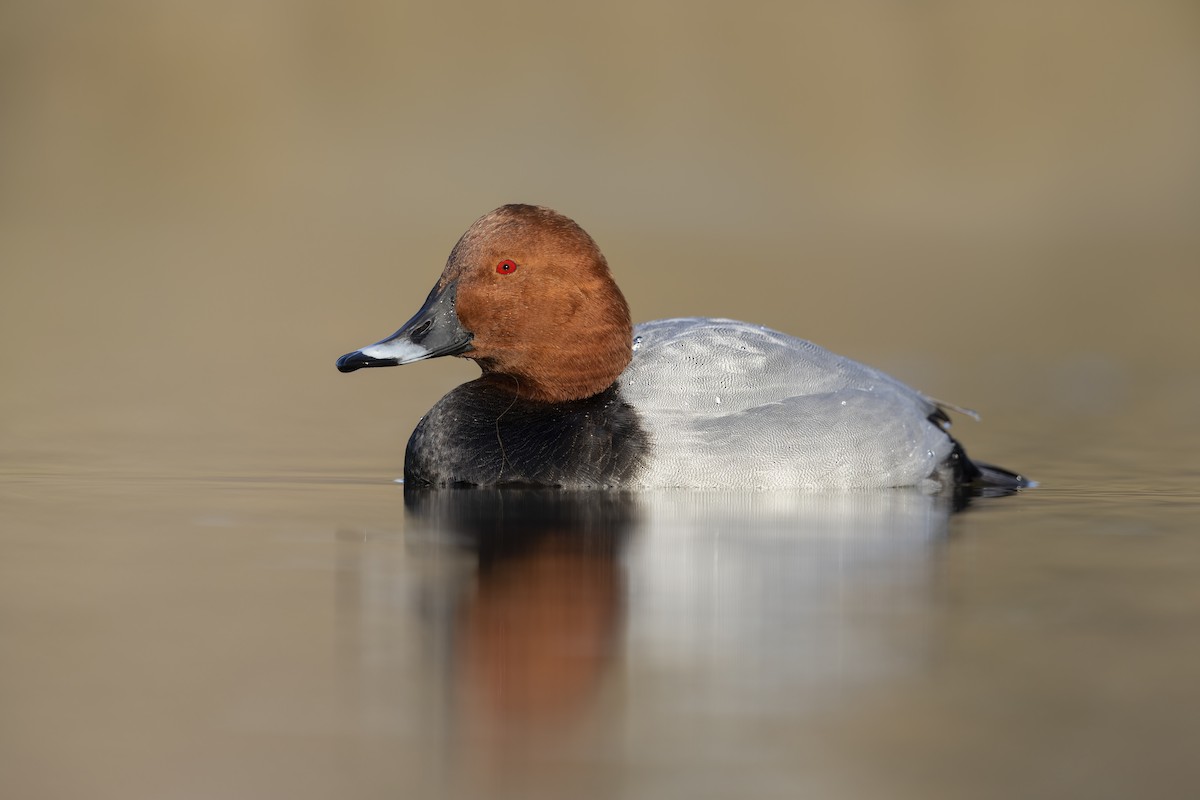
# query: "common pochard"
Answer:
x=572 y=395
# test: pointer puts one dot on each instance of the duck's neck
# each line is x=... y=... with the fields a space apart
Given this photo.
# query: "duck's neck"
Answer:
x=571 y=375
x=574 y=348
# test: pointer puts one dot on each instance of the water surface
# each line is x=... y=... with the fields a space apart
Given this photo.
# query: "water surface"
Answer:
x=318 y=634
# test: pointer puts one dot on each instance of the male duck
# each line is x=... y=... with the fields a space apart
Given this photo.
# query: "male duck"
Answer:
x=572 y=395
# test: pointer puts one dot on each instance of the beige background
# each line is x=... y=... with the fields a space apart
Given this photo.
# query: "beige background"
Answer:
x=208 y=584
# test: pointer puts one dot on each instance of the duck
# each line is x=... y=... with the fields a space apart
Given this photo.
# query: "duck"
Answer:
x=572 y=395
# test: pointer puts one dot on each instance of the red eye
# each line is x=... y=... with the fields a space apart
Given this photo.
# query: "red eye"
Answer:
x=506 y=267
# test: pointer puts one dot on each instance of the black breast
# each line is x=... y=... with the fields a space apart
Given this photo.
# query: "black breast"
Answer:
x=481 y=435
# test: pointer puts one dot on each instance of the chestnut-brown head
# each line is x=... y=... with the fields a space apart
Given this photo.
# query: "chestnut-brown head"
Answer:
x=527 y=294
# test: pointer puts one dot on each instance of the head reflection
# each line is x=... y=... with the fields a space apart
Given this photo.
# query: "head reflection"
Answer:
x=536 y=628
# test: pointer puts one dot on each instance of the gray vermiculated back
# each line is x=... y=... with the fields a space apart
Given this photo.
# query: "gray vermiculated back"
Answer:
x=729 y=403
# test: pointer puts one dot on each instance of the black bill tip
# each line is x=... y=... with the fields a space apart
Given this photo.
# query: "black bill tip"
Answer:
x=357 y=360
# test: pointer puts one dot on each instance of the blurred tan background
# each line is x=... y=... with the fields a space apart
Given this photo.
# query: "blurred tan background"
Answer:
x=203 y=204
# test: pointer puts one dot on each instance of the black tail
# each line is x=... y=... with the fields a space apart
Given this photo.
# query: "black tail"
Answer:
x=999 y=478
x=977 y=479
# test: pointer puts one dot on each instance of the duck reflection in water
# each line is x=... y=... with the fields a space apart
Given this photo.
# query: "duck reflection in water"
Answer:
x=765 y=594
x=537 y=628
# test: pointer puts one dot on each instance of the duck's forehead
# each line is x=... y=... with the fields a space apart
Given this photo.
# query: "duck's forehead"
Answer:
x=505 y=237
x=529 y=235
x=488 y=235
x=470 y=249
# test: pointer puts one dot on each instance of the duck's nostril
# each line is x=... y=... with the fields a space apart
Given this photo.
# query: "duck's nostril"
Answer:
x=418 y=334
